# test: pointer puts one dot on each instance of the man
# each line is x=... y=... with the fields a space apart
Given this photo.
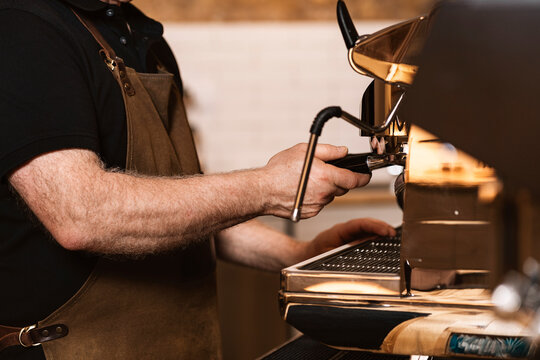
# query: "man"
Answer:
x=115 y=257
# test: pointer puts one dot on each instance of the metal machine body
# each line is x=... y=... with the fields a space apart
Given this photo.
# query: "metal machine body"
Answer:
x=428 y=292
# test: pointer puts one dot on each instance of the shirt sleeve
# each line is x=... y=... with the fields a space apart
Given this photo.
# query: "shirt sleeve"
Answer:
x=45 y=101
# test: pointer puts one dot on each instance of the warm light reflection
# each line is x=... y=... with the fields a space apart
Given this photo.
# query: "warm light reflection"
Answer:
x=357 y=287
x=389 y=54
x=453 y=222
x=432 y=161
x=389 y=72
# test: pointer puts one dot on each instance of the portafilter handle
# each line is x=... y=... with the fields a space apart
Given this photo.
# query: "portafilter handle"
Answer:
x=365 y=163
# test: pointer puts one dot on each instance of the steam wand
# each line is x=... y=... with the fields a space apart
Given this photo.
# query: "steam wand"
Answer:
x=316 y=128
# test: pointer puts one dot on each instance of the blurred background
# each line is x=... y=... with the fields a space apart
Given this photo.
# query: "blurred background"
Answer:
x=256 y=74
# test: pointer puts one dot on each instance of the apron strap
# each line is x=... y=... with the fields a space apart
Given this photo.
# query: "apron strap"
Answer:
x=30 y=335
x=115 y=63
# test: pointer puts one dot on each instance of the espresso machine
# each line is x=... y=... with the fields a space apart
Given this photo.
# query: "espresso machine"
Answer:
x=429 y=291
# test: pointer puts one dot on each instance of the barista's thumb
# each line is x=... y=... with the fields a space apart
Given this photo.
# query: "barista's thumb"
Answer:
x=327 y=152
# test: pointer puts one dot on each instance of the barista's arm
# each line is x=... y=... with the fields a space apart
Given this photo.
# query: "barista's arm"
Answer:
x=88 y=208
x=254 y=244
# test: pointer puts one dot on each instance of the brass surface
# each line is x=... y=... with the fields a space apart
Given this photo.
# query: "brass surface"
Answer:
x=465 y=299
x=386 y=98
x=434 y=162
x=384 y=70
x=390 y=54
x=447 y=221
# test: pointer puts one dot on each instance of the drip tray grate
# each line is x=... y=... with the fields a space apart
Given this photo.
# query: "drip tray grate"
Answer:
x=380 y=255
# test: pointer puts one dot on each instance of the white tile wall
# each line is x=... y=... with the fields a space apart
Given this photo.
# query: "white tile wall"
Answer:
x=258 y=86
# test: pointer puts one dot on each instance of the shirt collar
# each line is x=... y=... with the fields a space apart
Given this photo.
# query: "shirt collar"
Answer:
x=145 y=25
x=148 y=27
x=87 y=5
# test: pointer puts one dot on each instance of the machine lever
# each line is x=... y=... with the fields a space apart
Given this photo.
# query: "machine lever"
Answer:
x=346 y=25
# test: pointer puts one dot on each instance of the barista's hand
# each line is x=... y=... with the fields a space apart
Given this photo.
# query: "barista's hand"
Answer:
x=343 y=233
x=282 y=174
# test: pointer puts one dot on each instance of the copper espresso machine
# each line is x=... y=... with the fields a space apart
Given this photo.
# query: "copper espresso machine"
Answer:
x=427 y=291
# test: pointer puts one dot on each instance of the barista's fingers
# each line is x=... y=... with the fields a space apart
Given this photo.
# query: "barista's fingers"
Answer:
x=327 y=152
x=312 y=208
x=341 y=191
x=347 y=179
x=327 y=182
x=374 y=142
x=353 y=228
x=378 y=145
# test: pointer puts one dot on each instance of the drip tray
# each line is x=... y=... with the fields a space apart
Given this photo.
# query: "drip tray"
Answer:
x=366 y=267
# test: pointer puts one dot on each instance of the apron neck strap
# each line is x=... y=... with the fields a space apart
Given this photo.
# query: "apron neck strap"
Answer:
x=89 y=25
x=115 y=63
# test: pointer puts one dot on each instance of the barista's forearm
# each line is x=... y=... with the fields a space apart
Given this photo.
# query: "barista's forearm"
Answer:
x=87 y=208
x=255 y=244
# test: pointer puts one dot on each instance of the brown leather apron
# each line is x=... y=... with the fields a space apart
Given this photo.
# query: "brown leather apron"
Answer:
x=160 y=307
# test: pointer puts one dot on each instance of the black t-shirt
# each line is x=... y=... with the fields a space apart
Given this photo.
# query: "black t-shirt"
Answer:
x=57 y=93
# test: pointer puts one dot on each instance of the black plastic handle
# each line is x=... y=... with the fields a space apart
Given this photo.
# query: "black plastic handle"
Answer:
x=354 y=162
x=346 y=25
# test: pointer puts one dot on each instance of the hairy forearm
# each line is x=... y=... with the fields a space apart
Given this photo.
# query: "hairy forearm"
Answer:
x=88 y=208
x=112 y=212
x=255 y=244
